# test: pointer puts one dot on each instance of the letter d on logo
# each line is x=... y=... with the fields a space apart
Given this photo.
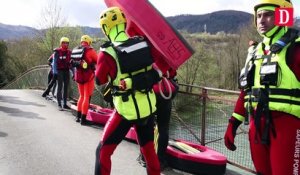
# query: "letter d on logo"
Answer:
x=284 y=16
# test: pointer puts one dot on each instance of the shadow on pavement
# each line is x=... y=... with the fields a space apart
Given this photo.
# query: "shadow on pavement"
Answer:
x=16 y=112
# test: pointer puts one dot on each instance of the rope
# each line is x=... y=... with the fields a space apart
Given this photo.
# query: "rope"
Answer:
x=168 y=87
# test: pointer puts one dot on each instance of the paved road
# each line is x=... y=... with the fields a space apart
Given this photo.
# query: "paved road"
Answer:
x=36 y=138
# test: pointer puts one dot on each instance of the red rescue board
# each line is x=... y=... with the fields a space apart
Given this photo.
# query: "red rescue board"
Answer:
x=144 y=19
x=98 y=114
x=95 y=114
x=195 y=158
x=131 y=135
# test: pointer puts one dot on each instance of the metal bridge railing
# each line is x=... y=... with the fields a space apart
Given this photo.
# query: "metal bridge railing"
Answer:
x=202 y=114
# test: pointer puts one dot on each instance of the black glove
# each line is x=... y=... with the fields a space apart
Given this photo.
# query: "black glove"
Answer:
x=75 y=63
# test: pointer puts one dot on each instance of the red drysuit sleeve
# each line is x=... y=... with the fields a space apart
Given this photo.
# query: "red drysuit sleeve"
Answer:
x=106 y=67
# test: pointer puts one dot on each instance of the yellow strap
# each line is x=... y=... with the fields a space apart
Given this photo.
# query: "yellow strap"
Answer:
x=190 y=149
x=156 y=134
x=184 y=147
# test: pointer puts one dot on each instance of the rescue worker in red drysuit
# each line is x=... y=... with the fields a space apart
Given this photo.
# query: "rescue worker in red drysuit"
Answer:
x=165 y=91
x=84 y=59
x=127 y=64
x=270 y=96
x=51 y=79
x=61 y=69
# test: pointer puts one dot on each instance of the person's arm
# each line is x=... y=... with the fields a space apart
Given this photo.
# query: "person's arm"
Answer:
x=50 y=60
x=54 y=64
x=106 y=67
x=72 y=69
x=294 y=61
x=234 y=122
x=94 y=56
x=70 y=65
x=239 y=110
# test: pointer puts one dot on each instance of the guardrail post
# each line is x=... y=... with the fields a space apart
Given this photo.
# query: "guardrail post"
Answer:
x=203 y=116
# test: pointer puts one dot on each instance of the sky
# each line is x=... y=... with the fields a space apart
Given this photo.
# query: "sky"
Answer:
x=86 y=12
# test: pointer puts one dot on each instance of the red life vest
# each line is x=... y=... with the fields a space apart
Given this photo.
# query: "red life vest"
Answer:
x=64 y=57
x=82 y=74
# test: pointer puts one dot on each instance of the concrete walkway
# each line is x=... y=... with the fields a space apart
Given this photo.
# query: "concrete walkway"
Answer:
x=36 y=138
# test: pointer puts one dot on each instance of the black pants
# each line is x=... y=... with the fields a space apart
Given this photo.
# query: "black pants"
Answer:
x=51 y=83
x=163 y=112
x=50 y=76
x=163 y=121
x=114 y=132
x=63 y=78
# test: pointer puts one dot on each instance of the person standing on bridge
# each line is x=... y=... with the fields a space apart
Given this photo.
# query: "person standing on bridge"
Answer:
x=61 y=70
x=83 y=59
x=132 y=79
x=51 y=79
x=165 y=91
x=270 y=95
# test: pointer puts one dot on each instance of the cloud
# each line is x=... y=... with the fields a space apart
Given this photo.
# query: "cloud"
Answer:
x=172 y=7
x=83 y=12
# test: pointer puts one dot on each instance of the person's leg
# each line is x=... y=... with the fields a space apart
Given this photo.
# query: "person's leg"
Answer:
x=54 y=88
x=79 y=102
x=50 y=85
x=260 y=153
x=285 y=147
x=59 y=87
x=88 y=90
x=163 y=121
x=115 y=130
x=50 y=76
x=145 y=136
x=66 y=80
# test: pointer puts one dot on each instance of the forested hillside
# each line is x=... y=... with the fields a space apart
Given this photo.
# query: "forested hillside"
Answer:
x=228 y=21
x=15 y=32
x=220 y=41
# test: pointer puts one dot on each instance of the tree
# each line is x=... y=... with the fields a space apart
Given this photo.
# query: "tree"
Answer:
x=3 y=50
x=246 y=33
x=195 y=70
x=6 y=73
x=218 y=59
x=54 y=26
x=51 y=21
x=24 y=54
